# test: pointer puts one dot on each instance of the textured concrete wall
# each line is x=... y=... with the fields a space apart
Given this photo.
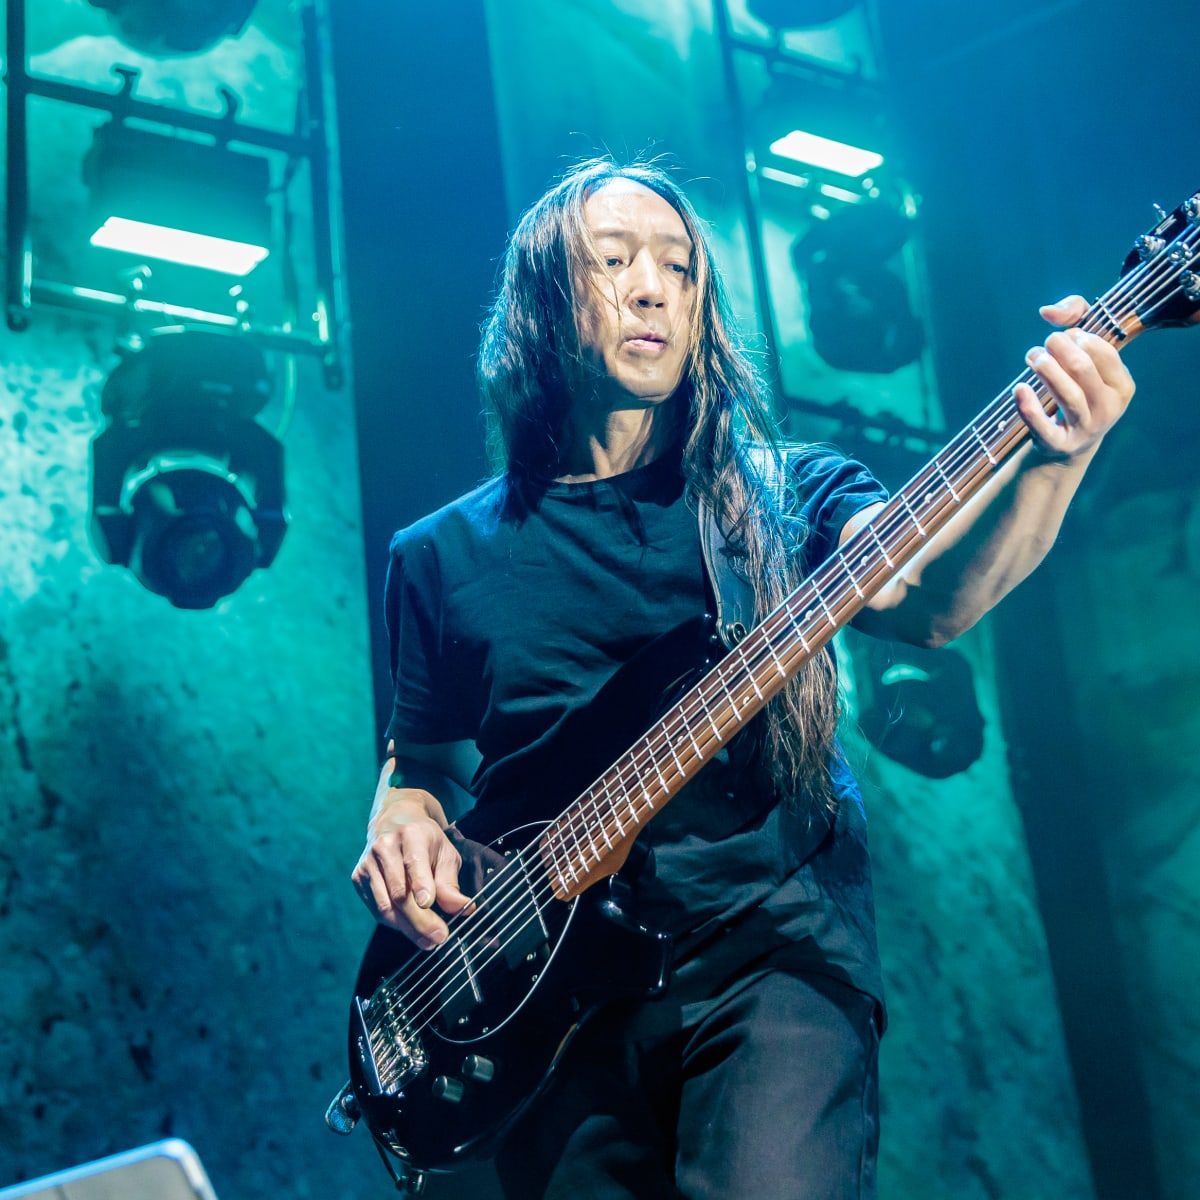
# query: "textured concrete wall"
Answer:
x=1135 y=662
x=977 y=1098
x=181 y=792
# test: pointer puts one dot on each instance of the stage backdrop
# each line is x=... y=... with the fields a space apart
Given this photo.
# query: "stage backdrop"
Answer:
x=183 y=792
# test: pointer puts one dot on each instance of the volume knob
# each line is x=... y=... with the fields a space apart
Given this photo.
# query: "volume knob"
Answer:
x=446 y=1087
x=478 y=1068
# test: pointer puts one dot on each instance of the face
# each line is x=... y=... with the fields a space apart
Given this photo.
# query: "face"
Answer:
x=635 y=318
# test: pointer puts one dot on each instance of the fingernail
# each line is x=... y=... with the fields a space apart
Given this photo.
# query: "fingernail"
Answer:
x=1078 y=336
x=426 y=943
x=1035 y=355
x=424 y=898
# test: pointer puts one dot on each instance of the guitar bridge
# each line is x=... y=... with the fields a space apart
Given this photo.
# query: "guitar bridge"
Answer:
x=390 y=1053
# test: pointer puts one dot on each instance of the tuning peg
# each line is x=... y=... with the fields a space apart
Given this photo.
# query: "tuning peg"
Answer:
x=1162 y=212
x=1191 y=209
x=1147 y=246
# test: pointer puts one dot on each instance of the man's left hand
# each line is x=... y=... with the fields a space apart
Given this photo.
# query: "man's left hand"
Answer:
x=1087 y=378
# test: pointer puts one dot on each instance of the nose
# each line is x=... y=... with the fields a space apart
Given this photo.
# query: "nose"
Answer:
x=645 y=286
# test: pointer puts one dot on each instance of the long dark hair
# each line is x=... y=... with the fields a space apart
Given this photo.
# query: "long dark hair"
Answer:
x=529 y=360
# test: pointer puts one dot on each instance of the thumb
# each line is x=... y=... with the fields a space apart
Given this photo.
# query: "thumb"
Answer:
x=1066 y=311
x=445 y=883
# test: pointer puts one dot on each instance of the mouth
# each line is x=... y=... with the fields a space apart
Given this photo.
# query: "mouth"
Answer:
x=646 y=340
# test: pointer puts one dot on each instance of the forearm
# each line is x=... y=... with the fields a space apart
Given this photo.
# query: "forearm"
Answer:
x=998 y=539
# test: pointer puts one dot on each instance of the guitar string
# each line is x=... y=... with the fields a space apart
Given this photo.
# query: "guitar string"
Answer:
x=646 y=739
x=838 y=564
x=957 y=470
x=1097 y=311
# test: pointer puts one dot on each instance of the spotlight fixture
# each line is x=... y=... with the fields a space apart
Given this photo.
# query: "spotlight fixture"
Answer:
x=798 y=14
x=176 y=199
x=859 y=310
x=187 y=488
x=164 y=28
x=918 y=706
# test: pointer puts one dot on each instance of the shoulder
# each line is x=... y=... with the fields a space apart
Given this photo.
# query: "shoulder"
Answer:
x=799 y=472
x=455 y=527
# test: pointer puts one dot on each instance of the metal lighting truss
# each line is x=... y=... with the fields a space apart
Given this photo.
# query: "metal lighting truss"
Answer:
x=313 y=140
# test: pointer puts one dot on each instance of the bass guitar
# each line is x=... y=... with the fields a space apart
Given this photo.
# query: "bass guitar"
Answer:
x=448 y=1047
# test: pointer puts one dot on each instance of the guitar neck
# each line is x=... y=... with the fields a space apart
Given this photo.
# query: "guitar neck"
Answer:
x=591 y=838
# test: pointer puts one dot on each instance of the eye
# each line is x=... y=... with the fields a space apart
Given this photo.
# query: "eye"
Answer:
x=678 y=268
x=612 y=260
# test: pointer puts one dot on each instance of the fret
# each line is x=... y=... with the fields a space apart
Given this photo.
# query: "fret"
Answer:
x=733 y=704
x=633 y=812
x=692 y=738
x=913 y=515
x=778 y=665
x=654 y=764
x=749 y=670
x=828 y=614
x=1118 y=328
x=854 y=582
x=990 y=456
x=882 y=547
x=795 y=620
x=612 y=807
x=671 y=746
x=946 y=479
x=704 y=706
x=603 y=828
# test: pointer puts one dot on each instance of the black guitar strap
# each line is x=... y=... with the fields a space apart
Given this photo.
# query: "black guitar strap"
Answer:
x=731 y=587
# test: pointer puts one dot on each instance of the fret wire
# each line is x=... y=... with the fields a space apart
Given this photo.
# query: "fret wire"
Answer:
x=733 y=705
x=986 y=449
x=654 y=762
x=770 y=642
x=882 y=547
x=670 y=740
x=938 y=464
x=795 y=620
x=830 y=617
x=707 y=713
x=846 y=565
x=748 y=669
x=913 y=515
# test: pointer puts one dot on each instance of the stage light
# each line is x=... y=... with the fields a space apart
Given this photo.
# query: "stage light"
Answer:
x=174 y=199
x=826 y=154
x=187 y=488
x=798 y=14
x=858 y=308
x=918 y=706
x=169 y=27
x=178 y=246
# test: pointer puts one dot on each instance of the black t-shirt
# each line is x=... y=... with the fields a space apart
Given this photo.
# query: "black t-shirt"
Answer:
x=510 y=608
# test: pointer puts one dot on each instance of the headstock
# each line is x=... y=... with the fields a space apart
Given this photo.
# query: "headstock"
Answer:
x=1160 y=280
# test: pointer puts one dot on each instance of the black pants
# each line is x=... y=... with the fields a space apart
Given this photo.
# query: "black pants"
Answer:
x=769 y=1091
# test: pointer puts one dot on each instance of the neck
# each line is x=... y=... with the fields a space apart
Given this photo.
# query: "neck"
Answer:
x=609 y=443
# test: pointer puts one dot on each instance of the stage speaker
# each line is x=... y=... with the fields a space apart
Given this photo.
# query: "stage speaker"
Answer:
x=167 y=1170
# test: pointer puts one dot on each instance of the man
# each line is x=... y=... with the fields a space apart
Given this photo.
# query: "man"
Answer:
x=620 y=402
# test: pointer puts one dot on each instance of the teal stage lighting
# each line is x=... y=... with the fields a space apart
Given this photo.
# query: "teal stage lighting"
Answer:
x=826 y=154
x=175 y=199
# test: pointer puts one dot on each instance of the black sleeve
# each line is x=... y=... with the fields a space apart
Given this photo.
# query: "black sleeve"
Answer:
x=422 y=711
x=827 y=490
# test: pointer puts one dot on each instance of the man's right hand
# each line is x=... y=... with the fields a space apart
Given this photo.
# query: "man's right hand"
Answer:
x=409 y=864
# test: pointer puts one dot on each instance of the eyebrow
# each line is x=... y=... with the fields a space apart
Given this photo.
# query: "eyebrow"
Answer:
x=674 y=239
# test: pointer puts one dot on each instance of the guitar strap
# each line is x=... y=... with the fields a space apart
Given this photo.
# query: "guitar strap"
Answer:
x=731 y=587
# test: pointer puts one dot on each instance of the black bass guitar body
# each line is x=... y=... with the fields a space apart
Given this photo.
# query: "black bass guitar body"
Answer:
x=448 y=1047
